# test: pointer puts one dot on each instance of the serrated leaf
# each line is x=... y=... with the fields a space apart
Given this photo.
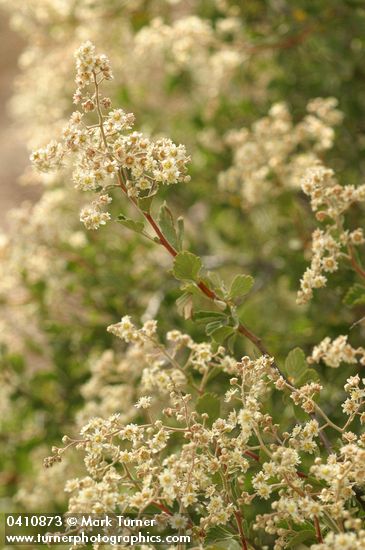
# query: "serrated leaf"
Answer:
x=131 y=224
x=209 y=403
x=187 y=266
x=221 y=334
x=240 y=286
x=184 y=305
x=355 y=295
x=302 y=536
x=167 y=225
x=295 y=363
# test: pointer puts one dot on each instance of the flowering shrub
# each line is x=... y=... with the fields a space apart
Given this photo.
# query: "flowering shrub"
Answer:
x=224 y=422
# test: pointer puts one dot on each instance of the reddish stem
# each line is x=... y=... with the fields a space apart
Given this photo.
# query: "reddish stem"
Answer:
x=238 y=517
x=318 y=530
x=162 y=508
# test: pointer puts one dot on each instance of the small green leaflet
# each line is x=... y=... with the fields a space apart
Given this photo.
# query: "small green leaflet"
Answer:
x=240 y=286
x=302 y=536
x=220 y=334
x=203 y=317
x=187 y=266
x=167 y=225
x=355 y=295
x=131 y=224
x=145 y=203
x=295 y=363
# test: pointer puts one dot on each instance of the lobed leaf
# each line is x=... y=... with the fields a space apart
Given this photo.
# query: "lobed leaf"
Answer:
x=131 y=224
x=240 y=286
x=187 y=266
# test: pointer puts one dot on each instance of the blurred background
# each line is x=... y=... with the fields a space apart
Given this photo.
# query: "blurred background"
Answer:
x=13 y=153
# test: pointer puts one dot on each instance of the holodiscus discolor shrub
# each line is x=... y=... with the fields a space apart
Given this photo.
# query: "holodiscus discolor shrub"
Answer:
x=194 y=347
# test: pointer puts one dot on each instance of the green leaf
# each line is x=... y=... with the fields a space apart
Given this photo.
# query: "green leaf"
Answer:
x=180 y=232
x=302 y=536
x=167 y=225
x=145 y=203
x=310 y=375
x=295 y=363
x=220 y=304
x=226 y=544
x=191 y=288
x=299 y=414
x=231 y=342
x=209 y=403
x=184 y=305
x=355 y=295
x=214 y=279
x=240 y=286
x=263 y=457
x=221 y=537
x=203 y=317
x=131 y=224
x=221 y=334
x=187 y=266
x=213 y=326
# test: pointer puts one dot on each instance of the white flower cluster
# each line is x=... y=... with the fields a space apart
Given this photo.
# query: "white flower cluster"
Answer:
x=341 y=473
x=108 y=149
x=92 y=216
x=325 y=254
x=345 y=541
x=89 y=64
x=202 y=357
x=193 y=44
x=353 y=404
x=127 y=331
x=274 y=153
x=112 y=386
x=335 y=352
x=329 y=200
x=133 y=462
x=184 y=476
x=49 y=157
x=328 y=197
